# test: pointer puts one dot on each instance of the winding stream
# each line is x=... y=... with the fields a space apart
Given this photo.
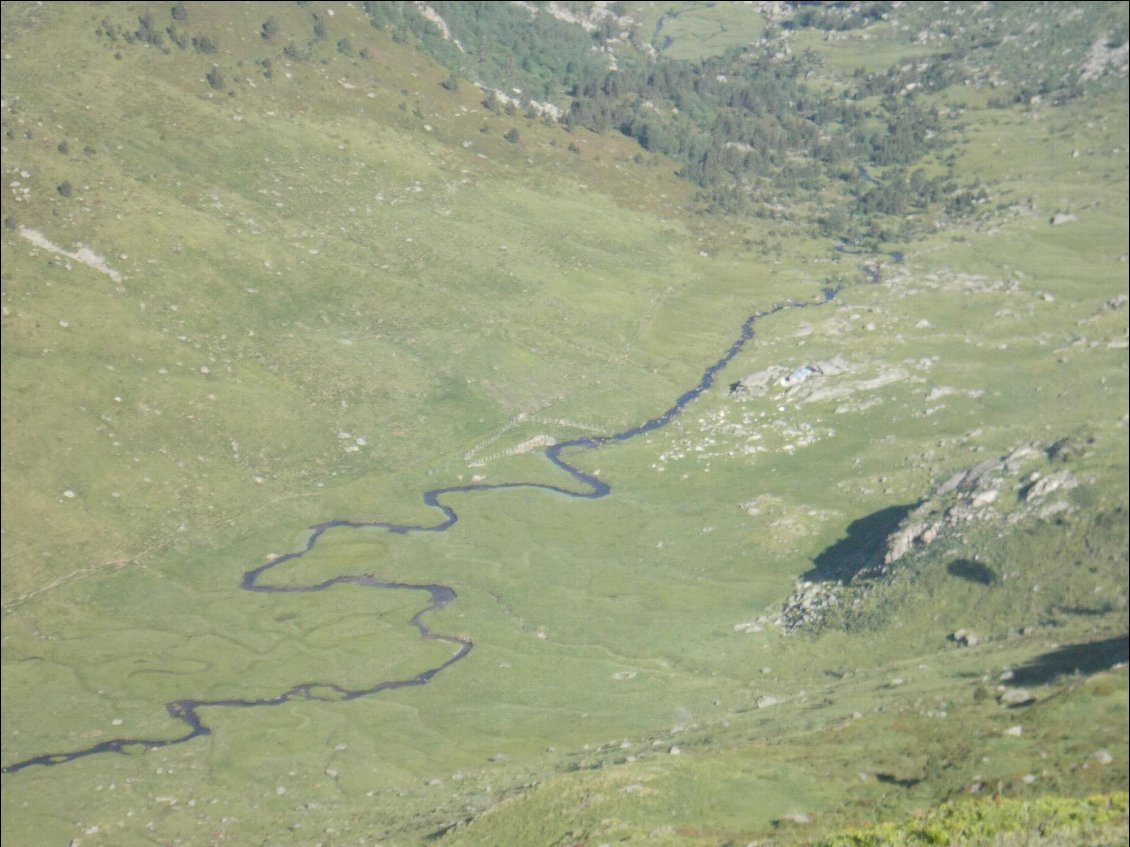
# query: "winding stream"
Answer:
x=188 y=711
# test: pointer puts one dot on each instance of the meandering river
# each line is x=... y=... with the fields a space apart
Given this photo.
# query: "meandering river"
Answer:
x=188 y=711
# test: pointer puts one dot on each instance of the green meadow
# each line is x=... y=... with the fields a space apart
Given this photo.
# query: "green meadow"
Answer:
x=289 y=280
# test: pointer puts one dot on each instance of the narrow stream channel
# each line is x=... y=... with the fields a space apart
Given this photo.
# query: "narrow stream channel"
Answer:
x=590 y=487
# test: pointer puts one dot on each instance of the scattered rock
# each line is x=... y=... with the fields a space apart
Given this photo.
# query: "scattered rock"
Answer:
x=1061 y=218
x=966 y=497
x=984 y=498
x=1012 y=697
x=808 y=604
x=966 y=638
x=767 y=700
x=1062 y=481
x=833 y=367
x=1117 y=302
x=1103 y=757
x=1014 y=731
x=757 y=384
x=796 y=377
x=748 y=626
x=952 y=483
x=901 y=543
x=798 y=818
x=1104 y=54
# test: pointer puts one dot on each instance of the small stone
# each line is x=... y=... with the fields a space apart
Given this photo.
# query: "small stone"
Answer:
x=984 y=498
x=70 y=495
x=1103 y=757
x=1016 y=697
x=1062 y=481
x=767 y=700
x=280 y=790
x=1014 y=731
x=966 y=637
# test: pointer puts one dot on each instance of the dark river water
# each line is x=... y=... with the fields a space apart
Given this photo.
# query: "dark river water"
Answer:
x=188 y=711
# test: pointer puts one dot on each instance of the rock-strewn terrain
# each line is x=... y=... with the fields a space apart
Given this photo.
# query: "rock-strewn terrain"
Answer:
x=1029 y=484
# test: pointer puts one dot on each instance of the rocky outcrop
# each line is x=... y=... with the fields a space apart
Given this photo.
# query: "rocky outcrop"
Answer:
x=1008 y=489
x=1028 y=483
x=809 y=603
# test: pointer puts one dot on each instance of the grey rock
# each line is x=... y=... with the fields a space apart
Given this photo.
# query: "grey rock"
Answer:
x=966 y=637
x=1016 y=697
x=1062 y=481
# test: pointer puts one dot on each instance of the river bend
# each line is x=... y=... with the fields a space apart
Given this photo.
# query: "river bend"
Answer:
x=188 y=711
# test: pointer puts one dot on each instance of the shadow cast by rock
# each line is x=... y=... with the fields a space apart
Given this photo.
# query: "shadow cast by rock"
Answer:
x=1074 y=658
x=861 y=550
x=971 y=571
x=891 y=779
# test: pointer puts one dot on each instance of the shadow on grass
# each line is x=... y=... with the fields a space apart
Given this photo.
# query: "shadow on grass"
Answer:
x=862 y=548
x=971 y=571
x=891 y=779
x=1074 y=658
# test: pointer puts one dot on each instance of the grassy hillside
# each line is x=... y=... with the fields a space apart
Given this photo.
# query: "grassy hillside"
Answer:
x=257 y=276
